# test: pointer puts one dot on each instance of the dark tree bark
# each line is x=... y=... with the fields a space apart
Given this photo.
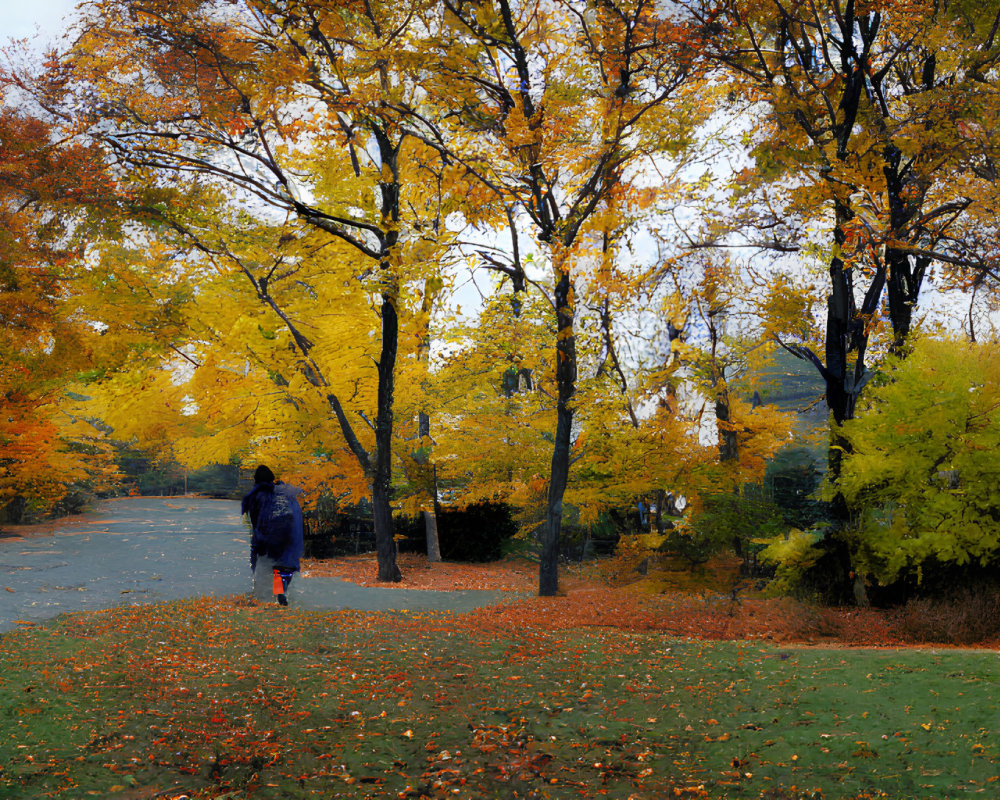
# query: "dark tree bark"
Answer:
x=646 y=66
x=548 y=570
x=729 y=449
x=143 y=140
x=566 y=370
x=728 y=443
x=385 y=542
x=661 y=499
x=845 y=330
x=905 y=272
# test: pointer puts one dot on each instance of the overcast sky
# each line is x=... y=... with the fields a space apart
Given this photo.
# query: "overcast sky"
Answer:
x=25 y=18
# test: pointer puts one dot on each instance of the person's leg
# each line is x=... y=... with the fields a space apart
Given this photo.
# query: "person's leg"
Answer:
x=286 y=578
x=263 y=576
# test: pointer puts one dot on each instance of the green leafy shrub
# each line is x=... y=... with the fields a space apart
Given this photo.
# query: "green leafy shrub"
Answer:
x=755 y=517
x=727 y=521
x=792 y=556
x=578 y=540
x=77 y=500
x=922 y=470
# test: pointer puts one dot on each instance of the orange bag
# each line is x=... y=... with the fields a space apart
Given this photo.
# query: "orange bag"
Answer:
x=277 y=585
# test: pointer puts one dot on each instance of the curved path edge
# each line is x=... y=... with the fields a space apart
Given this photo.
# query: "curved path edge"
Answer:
x=138 y=550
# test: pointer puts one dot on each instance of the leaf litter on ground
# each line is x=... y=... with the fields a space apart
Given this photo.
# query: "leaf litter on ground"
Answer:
x=541 y=697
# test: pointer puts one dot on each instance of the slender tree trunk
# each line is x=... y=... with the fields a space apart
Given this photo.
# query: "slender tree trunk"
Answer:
x=431 y=534
x=385 y=542
x=429 y=475
x=729 y=450
x=905 y=273
x=426 y=470
x=548 y=572
x=729 y=447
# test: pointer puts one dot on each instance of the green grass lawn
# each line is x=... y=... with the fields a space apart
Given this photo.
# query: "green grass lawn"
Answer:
x=212 y=699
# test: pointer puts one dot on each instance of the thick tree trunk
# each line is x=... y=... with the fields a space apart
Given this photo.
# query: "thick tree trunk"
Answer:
x=385 y=542
x=846 y=336
x=548 y=570
x=847 y=330
x=839 y=318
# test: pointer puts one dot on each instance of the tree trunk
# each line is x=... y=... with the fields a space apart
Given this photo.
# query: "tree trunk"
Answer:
x=729 y=449
x=385 y=542
x=431 y=533
x=839 y=317
x=844 y=369
x=548 y=570
x=905 y=276
x=846 y=335
x=429 y=475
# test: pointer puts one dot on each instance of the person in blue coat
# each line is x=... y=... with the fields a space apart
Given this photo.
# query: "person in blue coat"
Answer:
x=276 y=542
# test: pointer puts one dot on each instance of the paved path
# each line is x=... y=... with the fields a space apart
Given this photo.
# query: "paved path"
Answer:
x=145 y=550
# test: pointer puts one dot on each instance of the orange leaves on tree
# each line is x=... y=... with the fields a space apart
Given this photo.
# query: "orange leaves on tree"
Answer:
x=45 y=334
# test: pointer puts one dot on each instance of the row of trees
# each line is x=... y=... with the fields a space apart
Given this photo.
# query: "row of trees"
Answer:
x=246 y=228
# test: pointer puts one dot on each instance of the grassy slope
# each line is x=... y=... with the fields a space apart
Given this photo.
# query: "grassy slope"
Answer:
x=213 y=699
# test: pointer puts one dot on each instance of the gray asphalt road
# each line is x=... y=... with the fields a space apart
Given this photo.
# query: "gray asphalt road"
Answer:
x=145 y=550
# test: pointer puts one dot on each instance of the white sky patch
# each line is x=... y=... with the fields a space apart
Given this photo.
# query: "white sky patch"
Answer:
x=27 y=19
